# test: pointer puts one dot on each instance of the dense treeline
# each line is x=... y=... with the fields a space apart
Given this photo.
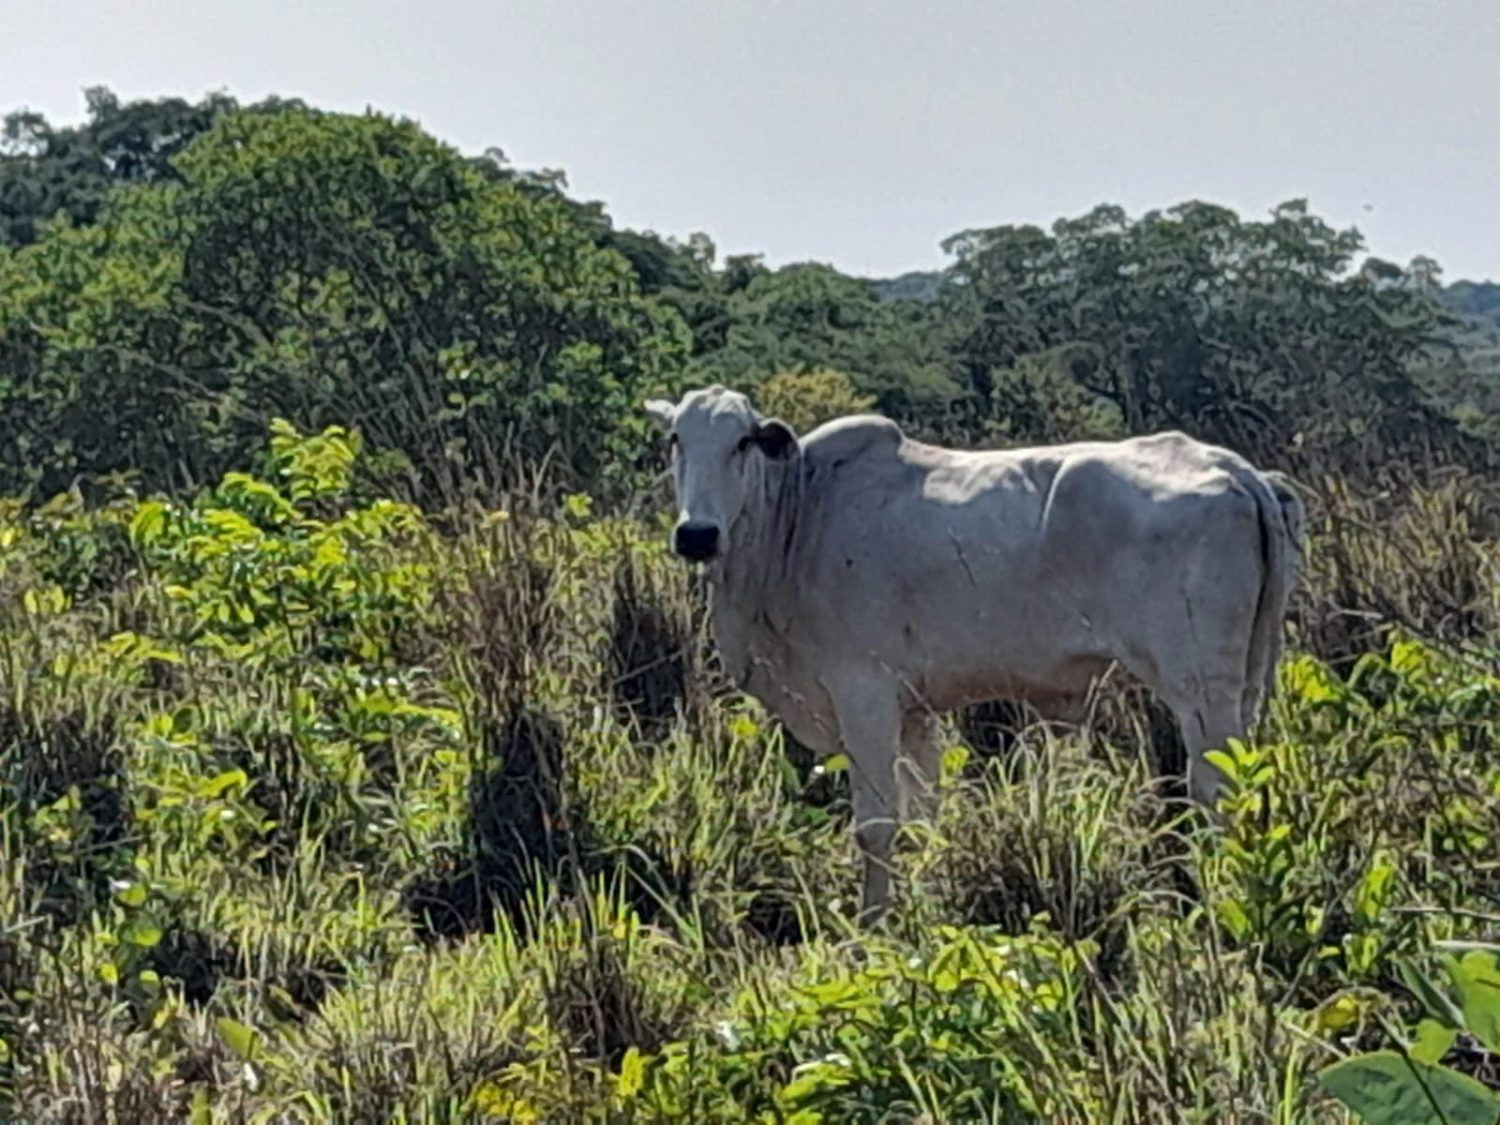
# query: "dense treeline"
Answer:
x=174 y=275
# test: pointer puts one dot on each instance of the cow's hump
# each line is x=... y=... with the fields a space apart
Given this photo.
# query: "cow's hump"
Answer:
x=855 y=436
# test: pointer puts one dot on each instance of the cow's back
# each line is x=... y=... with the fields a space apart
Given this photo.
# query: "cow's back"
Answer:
x=955 y=567
x=900 y=510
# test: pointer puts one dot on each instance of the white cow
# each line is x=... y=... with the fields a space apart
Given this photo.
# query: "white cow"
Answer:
x=863 y=582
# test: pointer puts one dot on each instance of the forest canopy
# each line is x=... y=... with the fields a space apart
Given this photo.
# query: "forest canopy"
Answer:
x=174 y=275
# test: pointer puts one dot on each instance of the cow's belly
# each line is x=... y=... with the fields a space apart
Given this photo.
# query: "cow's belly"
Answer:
x=1056 y=690
x=956 y=644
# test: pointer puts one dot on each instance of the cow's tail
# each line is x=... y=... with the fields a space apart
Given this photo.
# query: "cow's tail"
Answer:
x=1281 y=537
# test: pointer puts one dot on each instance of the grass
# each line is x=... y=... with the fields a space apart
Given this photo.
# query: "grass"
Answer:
x=313 y=811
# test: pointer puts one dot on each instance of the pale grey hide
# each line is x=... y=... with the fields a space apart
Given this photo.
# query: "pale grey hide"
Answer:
x=863 y=582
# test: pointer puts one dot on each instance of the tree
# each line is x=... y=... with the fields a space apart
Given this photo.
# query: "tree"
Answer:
x=1466 y=378
x=46 y=171
x=1260 y=335
x=808 y=317
x=682 y=277
x=328 y=268
x=805 y=400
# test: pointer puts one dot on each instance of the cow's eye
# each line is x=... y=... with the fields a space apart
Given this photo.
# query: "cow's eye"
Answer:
x=745 y=443
x=672 y=442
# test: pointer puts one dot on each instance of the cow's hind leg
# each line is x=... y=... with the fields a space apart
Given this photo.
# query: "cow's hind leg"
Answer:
x=919 y=771
x=1202 y=659
x=1208 y=718
x=869 y=716
x=920 y=767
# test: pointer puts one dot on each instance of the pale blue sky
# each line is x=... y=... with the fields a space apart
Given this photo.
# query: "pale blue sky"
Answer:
x=863 y=133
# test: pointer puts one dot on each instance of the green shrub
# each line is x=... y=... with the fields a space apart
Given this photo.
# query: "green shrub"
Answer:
x=973 y=1025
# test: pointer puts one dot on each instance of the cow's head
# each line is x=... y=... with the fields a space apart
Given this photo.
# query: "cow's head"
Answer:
x=720 y=452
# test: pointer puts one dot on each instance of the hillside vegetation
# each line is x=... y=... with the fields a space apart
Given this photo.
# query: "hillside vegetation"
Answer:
x=364 y=756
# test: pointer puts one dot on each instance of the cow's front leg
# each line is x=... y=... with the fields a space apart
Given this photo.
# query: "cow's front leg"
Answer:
x=874 y=832
x=870 y=729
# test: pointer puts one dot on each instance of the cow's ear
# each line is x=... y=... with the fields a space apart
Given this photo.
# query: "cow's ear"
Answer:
x=775 y=439
x=662 y=412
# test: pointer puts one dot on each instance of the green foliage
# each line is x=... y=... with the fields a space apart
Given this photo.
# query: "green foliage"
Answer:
x=1385 y=1087
x=1467 y=377
x=310 y=809
x=965 y=1027
x=257 y=577
x=317 y=266
x=805 y=318
x=1258 y=335
x=1410 y=1084
x=1038 y=400
x=46 y=170
x=805 y=400
x=181 y=274
x=1260 y=853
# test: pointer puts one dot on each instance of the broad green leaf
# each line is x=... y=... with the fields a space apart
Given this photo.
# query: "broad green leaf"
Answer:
x=1410 y=657
x=1225 y=764
x=1339 y=1012
x=632 y=1074
x=1374 y=889
x=743 y=727
x=133 y=894
x=1434 y=1000
x=144 y=931
x=216 y=786
x=1385 y=1088
x=202 y=1112
x=1233 y=915
x=810 y=1080
x=955 y=758
x=1311 y=679
x=148 y=523
x=238 y=1037
x=1477 y=981
x=1432 y=1041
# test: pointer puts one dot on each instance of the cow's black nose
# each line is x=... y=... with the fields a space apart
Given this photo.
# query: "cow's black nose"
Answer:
x=696 y=541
